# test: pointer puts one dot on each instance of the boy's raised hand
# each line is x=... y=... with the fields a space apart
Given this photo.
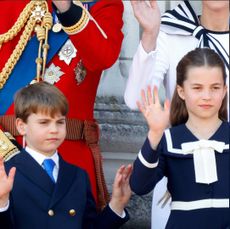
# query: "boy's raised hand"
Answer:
x=6 y=183
x=121 y=189
x=157 y=117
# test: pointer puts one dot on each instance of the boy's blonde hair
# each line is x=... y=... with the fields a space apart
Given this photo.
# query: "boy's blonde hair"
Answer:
x=40 y=97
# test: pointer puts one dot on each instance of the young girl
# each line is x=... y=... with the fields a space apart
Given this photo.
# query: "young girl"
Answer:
x=194 y=152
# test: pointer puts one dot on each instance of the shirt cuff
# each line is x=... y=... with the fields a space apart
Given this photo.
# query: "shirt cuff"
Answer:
x=145 y=54
x=123 y=215
x=6 y=207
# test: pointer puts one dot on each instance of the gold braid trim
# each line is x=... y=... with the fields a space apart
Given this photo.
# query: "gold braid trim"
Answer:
x=34 y=14
x=80 y=3
x=79 y=26
x=83 y=22
x=18 y=25
x=7 y=148
x=9 y=66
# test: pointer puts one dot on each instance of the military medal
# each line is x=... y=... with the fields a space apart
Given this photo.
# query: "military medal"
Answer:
x=53 y=74
x=57 y=27
x=68 y=52
x=80 y=72
x=38 y=13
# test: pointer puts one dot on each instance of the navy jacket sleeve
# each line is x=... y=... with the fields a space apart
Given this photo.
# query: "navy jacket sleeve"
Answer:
x=105 y=219
x=5 y=220
x=148 y=169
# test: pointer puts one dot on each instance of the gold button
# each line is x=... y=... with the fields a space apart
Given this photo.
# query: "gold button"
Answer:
x=72 y=212
x=51 y=212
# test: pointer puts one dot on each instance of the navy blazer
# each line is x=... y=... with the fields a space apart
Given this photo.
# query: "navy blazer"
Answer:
x=37 y=203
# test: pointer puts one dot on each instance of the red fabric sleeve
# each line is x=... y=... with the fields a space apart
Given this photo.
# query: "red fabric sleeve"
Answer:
x=96 y=52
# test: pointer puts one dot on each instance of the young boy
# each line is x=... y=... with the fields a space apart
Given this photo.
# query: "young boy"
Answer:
x=48 y=192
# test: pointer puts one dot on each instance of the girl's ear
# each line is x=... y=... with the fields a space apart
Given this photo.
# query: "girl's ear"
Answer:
x=21 y=126
x=180 y=91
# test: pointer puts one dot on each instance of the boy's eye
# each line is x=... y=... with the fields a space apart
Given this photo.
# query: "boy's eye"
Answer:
x=61 y=122
x=196 y=88
x=43 y=122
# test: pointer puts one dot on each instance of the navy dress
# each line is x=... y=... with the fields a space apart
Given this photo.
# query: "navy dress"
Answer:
x=194 y=205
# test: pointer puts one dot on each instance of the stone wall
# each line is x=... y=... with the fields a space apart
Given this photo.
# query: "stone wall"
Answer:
x=122 y=134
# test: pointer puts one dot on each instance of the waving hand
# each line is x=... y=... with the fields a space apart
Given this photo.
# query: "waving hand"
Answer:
x=6 y=183
x=156 y=116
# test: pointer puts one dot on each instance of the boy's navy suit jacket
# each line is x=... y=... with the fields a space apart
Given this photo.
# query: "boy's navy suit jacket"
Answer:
x=37 y=203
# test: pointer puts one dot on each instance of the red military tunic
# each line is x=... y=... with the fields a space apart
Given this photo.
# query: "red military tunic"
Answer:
x=96 y=53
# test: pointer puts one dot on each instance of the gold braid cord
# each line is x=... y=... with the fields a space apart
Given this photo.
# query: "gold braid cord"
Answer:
x=35 y=17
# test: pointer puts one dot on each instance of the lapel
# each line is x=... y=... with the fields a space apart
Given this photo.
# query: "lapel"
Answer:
x=34 y=172
x=66 y=176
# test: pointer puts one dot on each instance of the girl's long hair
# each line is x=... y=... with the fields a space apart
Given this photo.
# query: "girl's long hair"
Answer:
x=196 y=58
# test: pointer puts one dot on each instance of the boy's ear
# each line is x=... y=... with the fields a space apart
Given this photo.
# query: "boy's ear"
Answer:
x=21 y=126
x=180 y=91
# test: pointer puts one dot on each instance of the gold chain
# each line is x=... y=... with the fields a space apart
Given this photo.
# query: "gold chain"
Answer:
x=34 y=15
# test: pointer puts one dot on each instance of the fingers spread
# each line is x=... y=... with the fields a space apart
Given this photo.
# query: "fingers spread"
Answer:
x=143 y=98
x=153 y=3
x=127 y=171
x=140 y=107
x=156 y=95
x=167 y=105
x=149 y=95
x=2 y=167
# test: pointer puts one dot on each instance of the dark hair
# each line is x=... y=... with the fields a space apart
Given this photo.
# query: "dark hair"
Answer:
x=196 y=58
x=39 y=97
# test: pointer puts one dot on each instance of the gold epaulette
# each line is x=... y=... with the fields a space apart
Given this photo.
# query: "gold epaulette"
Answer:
x=83 y=22
x=7 y=148
x=80 y=25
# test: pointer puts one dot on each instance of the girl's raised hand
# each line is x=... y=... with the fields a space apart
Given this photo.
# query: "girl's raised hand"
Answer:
x=156 y=116
x=6 y=183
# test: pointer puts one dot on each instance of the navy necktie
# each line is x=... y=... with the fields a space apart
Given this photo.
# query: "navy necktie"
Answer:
x=49 y=166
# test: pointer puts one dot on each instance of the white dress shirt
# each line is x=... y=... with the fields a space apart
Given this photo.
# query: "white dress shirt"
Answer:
x=39 y=158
